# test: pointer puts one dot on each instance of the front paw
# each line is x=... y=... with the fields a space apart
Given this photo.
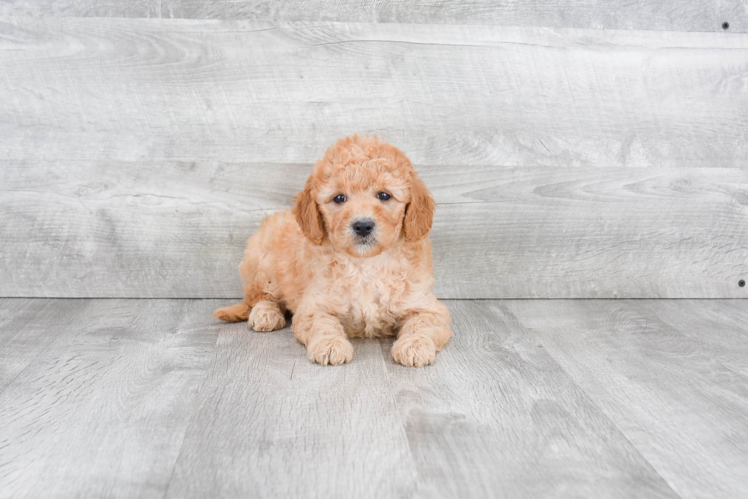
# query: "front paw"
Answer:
x=414 y=350
x=329 y=349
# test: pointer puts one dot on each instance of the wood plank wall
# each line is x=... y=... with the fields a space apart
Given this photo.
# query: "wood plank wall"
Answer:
x=137 y=155
x=666 y=15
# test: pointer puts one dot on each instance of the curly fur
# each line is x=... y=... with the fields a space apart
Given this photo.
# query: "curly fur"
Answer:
x=309 y=260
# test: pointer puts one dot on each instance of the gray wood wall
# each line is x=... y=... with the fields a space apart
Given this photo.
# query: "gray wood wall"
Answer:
x=141 y=143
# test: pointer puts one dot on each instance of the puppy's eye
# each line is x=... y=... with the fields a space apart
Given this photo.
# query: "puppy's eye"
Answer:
x=383 y=196
x=340 y=198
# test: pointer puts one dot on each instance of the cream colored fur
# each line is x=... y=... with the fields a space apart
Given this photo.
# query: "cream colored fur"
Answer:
x=310 y=262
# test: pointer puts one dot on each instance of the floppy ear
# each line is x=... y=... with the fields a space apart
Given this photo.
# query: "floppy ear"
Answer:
x=308 y=216
x=419 y=213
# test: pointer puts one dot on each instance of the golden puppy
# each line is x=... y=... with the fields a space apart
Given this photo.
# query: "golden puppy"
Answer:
x=352 y=259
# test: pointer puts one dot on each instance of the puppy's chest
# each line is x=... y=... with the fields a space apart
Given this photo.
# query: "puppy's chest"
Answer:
x=369 y=297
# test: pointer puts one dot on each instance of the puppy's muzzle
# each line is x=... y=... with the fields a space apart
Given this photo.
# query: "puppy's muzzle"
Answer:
x=363 y=227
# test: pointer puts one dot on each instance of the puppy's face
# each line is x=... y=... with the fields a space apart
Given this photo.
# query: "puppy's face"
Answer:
x=364 y=196
x=363 y=209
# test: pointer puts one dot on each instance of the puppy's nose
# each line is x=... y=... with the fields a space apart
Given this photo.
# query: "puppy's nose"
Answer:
x=363 y=227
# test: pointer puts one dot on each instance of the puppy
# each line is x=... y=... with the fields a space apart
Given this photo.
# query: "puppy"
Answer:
x=352 y=259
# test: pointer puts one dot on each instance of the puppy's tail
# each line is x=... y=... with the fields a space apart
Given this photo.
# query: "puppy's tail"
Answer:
x=232 y=314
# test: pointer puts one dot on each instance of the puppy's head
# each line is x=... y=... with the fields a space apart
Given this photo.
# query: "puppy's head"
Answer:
x=364 y=196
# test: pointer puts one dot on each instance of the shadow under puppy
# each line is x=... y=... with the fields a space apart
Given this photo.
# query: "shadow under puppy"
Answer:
x=353 y=258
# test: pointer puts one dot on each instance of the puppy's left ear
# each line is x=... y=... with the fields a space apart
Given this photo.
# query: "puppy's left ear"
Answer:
x=308 y=216
x=419 y=214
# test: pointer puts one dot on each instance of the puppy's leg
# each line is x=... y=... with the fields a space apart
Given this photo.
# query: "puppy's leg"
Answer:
x=266 y=316
x=244 y=311
x=422 y=335
x=262 y=296
x=324 y=338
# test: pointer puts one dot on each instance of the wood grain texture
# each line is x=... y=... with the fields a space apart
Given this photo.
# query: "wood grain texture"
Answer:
x=687 y=15
x=666 y=374
x=24 y=324
x=497 y=417
x=270 y=423
x=154 y=398
x=101 y=406
x=178 y=229
x=136 y=89
x=124 y=144
x=721 y=328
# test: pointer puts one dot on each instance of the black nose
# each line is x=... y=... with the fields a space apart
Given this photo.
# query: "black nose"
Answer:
x=363 y=227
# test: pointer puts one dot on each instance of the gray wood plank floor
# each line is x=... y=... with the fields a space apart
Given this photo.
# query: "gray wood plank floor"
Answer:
x=632 y=398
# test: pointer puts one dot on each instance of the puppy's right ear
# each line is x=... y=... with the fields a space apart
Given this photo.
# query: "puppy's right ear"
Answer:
x=419 y=213
x=308 y=216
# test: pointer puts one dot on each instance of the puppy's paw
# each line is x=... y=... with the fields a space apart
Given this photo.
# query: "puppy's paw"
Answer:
x=414 y=350
x=330 y=350
x=266 y=318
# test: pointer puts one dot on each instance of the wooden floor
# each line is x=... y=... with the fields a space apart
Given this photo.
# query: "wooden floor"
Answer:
x=570 y=398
